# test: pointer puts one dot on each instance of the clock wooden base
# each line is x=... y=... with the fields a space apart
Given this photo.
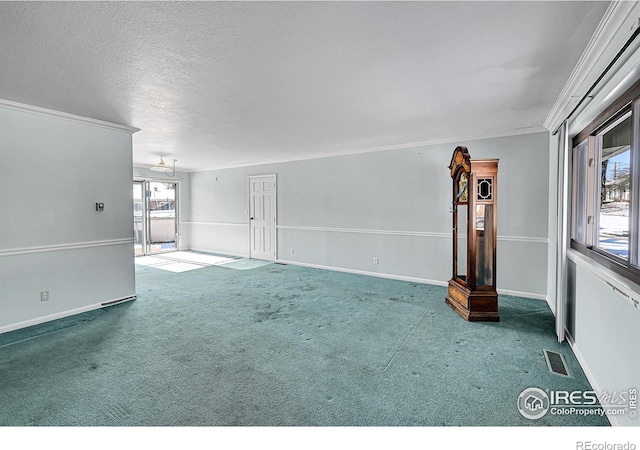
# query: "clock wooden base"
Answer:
x=474 y=306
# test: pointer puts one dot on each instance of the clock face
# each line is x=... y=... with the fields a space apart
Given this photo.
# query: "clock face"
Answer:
x=462 y=188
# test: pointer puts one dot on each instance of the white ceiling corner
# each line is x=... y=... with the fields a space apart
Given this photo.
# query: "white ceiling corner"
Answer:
x=616 y=27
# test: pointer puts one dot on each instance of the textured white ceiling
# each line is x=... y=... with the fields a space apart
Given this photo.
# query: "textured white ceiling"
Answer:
x=218 y=84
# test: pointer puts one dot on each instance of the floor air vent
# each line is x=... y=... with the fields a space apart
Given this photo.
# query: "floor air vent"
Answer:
x=556 y=363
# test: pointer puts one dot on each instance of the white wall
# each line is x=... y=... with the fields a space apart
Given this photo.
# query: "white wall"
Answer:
x=340 y=212
x=603 y=326
x=52 y=238
x=219 y=203
x=602 y=323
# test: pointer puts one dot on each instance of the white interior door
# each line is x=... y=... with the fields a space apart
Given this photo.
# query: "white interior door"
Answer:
x=262 y=217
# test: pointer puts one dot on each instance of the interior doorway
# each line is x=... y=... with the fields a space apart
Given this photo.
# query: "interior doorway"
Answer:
x=155 y=217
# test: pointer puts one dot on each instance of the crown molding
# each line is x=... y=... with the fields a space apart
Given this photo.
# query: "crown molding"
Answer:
x=66 y=116
x=617 y=22
x=365 y=150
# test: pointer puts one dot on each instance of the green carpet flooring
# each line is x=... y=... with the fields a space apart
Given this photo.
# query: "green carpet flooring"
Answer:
x=281 y=345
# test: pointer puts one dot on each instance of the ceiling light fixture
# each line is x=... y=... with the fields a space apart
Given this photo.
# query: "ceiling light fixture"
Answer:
x=162 y=167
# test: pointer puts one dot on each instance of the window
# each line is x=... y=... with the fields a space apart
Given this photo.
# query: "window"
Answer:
x=579 y=199
x=605 y=195
x=614 y=175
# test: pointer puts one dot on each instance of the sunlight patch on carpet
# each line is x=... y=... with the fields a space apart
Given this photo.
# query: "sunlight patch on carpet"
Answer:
x=245 y=264
x=185 y=261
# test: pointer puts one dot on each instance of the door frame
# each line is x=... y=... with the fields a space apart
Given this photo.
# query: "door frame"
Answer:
x=275 y=212
x=143 y=217
x=147 y=214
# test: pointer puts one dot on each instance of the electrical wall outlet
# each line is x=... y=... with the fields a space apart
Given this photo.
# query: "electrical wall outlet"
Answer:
x=44 y=296
x=292 y=251
x=375 y=260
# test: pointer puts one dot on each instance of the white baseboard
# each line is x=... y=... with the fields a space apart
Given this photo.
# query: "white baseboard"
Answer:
x=364 y=272
x=61 y=315
x=587 y=372
x=522 y=294
x=217 y=252
x=405 y=278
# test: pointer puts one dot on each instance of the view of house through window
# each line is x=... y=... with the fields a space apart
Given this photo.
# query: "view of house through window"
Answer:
x=615 y=190
x=605 y=214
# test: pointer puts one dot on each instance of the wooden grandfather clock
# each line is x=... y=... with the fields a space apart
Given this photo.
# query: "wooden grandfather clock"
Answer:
x=472 y=289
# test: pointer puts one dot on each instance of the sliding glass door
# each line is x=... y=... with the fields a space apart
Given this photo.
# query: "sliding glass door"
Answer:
x=155 y=217
x=139 y=223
